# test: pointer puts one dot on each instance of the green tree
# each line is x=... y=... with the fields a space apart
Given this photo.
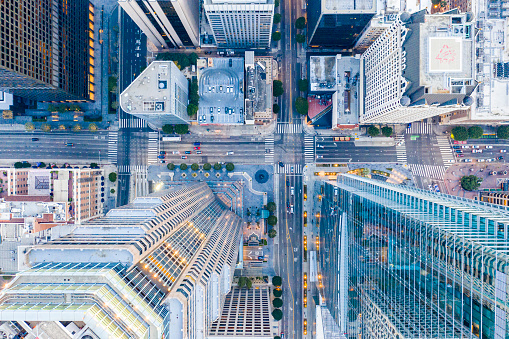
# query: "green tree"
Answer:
x=459 y=133
x=114 y=105
x=277 y=302
x=301 y=105
x=503 y=132
x=470 y=182
x=195 y=167
x=18 y=164
x=303 y=85
x=29 y=126
x=75 y=108
x=94 y=165
x=276 y=36
x=170 y=166
x=168 y=129
x=76 y=128
x=435 y=2
x=277 y=293
x=46 y=127
x=230 y=167
x=112 y=191
x=277 y=337
x=277 y=18
x=181 y=129
x=373 y=131
x=272 y=233
x=207 y=166
x=42 y=165
x=194 y=97
x=217 y=166
x=192 y=109
x=183 y=167
x=242 y=282
x=272 y=220
x=475 y=132
x=277 y=88
x=52 y=108
x=249 y=283
x=277 y=314
x=271 y=206
x=300 y=38
x=276 y=3
x=276 y=109
x=300 y=23
x=386 y=131
x=193 y=58
x=92 y=127
x=112 y=176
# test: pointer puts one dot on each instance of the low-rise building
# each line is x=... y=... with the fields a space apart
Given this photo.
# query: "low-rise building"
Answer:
x=258 y=100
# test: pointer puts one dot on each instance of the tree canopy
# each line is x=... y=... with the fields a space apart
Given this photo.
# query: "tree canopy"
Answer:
x=459 y=133
x=207 y=166
x=300 y=23
x=277 y=18
x=373 y=131
x=271 y=206
x=170 y=166
x=192 y=109
x=475 y=132
x=303 y=85
x=272 y=233
x=230 y=167
x=272 y=220
x=503 y=132
x=181 y=129
x=168 y=129
x=217 y=166
x=276 y=36
x=300 y=38
x=277 y=302
x=277 y=88
x=276 y=280
x=470 y=182
x=276 y=109
x=277 y=293
x=183 y=167
x=277 y=314
x=386 y=131
x=112 y=176
x=301 y=105
x=195 y=167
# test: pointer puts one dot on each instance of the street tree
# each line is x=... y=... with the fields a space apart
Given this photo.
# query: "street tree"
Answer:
x=300 y=23
x=46 y=127
x=170 y=166
x=277 y=292
x=92 y=127
x=272 y=233
x=459 y=133
x=168 y=129
x=272 y=220
x=271 y=206
x=300 y=38
x=277 y=314
x=230 y=167
x=207 y=166
x=373 y=131
x=76 y=128
x=386 y=131
x=276 y=109
x=503 y=132
x=217 y=166
x=277 y=302
x=195 y=167
x=301 y=105
x=112 y=176
x=470 y=182
x=277 y=88
x=277 y=18
x=475 y=132
x=192 y=109
x=183 y=167
x=29 y=126
x=303 y=85
x=182 y=129
x=276 y=36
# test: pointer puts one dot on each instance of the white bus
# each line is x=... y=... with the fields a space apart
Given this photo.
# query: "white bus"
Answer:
x=172 y=138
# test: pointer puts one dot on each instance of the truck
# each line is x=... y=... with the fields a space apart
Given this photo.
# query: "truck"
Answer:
x=172 y=139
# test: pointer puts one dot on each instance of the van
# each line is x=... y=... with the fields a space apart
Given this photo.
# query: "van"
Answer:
x=292 y=190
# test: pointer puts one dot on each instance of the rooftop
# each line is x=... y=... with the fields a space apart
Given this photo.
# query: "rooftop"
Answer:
x=335 y=6
x=259 y=89
x=345 y=100
x=322 y=73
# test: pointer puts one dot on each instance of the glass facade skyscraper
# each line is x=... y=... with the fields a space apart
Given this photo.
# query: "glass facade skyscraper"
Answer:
x=400 y=262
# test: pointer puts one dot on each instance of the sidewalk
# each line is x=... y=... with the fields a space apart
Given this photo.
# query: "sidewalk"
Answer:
x=234 y=130
x=453 y=175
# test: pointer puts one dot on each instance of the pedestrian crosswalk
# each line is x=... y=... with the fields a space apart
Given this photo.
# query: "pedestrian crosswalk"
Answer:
x=428 y=171
x=269 y=150
x=289 y=168
x=126 y=169
x=309 y=149
x=153 y=147
x=132 y=123
x=283 y=128
x=112 y=147
x=420 y=127
x=445 y=151
x=401 y=149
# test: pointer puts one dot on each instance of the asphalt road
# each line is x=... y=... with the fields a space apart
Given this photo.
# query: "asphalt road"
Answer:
x=328 y=151
x=87 y=146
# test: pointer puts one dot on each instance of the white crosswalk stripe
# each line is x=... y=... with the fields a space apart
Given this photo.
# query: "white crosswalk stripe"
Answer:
x=269 y=150
x=283 y=128
x=428 y=171
x=445 y=151
x=420 y=127
x=153 y=147
x=133 y=123
x=123 y=169
x=112 y=147
x=309 y=149
x=401 y=149
x=297 y=169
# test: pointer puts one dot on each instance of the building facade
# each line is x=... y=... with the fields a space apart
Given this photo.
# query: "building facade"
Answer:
x=47 y=51
x=157 y=268
x=325 y=18
x=167 y=23
x=240 y=23
x=420 y=67
x=158 y=95
x=400 y=262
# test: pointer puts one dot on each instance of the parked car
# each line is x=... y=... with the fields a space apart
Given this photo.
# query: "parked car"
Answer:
x=481 y=160
x=69 y=144
x=468 y=160
x=475 y=146
x=460 y=155
x=456 y=147
x=458 y=151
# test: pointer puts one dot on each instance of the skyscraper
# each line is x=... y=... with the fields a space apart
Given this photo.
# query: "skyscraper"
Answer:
x=157 y=268
x=46 y=49
x=158 y=95
x=338 y=23
x=420 y=67
x=240 y=23
x=167 y=23
x=400 y=262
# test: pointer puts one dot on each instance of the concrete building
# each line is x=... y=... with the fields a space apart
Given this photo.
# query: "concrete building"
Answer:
x=258 y=103
x=240 y=23
x=376 y=26
x=401 y=262
x=419 y=68
x=47 y=49
x=158 y=267
x=325 y=18
x=498 y=198
x=159 y=95
x=166 y=23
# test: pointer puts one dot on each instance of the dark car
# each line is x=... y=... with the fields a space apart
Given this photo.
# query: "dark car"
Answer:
x=281 y=164
x=69 y=144
x=500 y=158
x=160 y=157
x=162 y=152
x=187 y=152
x=35 y=139
x=197 y=144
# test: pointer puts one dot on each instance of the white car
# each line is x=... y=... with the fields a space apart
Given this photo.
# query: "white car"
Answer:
x=481 y=160
x=465 y=146
x=503 y=151
x=292 y=191
x=175 y=152
x=229 y=153
x=489 y=146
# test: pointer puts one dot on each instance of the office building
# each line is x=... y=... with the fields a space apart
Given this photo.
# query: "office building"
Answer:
x=422 y=66
x=374 y=29
x=258 y=102
x=159 y=267
x=47 y=49
x=401 y=262
x=338 y=23
x=159 y=95
x=166 y=23
x=498 y=197
x=240 y=23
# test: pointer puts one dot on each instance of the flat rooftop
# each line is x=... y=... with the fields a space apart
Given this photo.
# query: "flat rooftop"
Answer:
x=346 y=109
x=322 y=73
x=221 y=90
x=333 y=6
x=259 y=89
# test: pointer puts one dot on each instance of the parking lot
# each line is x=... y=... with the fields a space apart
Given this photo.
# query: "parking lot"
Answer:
x=221 y=91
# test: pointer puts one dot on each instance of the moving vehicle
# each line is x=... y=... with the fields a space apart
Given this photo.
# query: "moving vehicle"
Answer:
x=500 y=158
x=291 y=209
x=197 y=144
x=503 y=151
x=160 y=157
x=320 y=146
x=198 y=152
x=175 y=152
x=187 y=152
x=162 y=161
x=292 y=191
x=281 y=164
x=172 y=138
x=229 y=153
x=35 y=139
x=319 y=156
x=162 y=152
x=196 y=148
x=489 y=146
x=464 y=146
x=183 y=157
x=69 y=144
